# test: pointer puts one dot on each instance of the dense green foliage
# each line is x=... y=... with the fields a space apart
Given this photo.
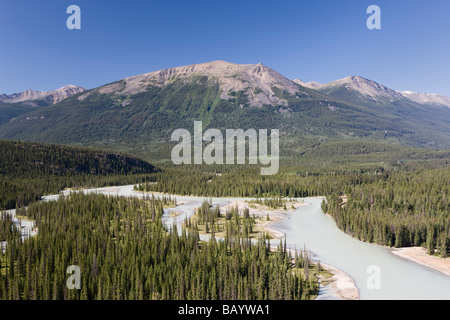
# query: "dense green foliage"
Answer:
x=239 y=183
x=29 y=171
x=10 y=111
x=274 y=203
x=7 y=228
x=233 y=225
x=290 y=181
x=398 y=209
x=33 y=159
x=124 y=252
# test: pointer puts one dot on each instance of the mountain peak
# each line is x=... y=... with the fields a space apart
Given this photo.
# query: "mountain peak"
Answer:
x=255 y=80
x=363 y=86
x=356 y=80
x=139 y=113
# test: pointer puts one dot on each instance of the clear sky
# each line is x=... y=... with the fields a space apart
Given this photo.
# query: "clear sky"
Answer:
x=311 y=40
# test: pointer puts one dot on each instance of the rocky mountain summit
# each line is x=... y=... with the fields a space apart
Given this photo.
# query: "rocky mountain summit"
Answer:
x=256 y=81
x=29 y=97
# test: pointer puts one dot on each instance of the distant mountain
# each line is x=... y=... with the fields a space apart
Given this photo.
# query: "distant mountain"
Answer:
x=16 y=104
x=374 y=91
x=311 y=85
x=255 y=81
x=137 y=115
x=359 y=88
x=427 y=98
x=39 y=98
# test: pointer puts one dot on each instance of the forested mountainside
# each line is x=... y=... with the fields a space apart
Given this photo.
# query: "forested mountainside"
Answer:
x=30 y=170
x=137 y=115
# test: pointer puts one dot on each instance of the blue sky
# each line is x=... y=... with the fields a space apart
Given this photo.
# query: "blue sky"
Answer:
x=312 y=40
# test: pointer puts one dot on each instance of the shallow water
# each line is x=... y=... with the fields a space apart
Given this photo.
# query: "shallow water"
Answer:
x=399 y=278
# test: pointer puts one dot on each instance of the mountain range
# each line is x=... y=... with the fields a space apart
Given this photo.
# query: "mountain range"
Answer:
x=16 y=104
x=137 y=115
x=41 y=98
x=375 y=91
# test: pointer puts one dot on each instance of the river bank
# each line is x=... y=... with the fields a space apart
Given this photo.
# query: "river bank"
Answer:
x=342 y=285
x=419 y=255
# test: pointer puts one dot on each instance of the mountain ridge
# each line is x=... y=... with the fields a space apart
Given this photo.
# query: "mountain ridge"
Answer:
x=427 y=98
x=374 y=89
x=28 y=97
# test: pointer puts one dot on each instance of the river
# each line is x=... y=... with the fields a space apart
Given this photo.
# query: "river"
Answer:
x=399 y=279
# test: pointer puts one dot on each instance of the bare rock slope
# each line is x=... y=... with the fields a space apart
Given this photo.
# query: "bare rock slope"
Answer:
x=51 y=97
x=255 y=80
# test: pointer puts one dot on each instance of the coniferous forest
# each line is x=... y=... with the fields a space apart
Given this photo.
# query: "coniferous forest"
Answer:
x=30 y=170
x=402 y=209
x=398 y=207
x=125 y=252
